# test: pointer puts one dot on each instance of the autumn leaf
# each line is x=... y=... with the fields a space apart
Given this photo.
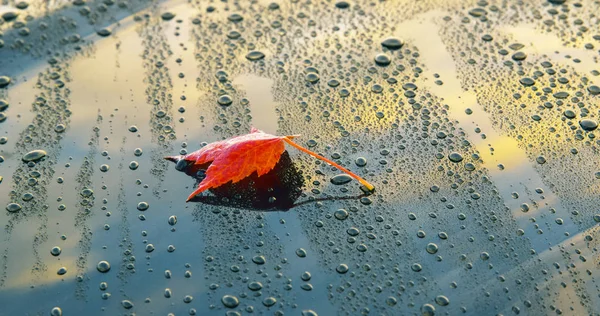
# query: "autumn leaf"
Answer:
x=236 y=158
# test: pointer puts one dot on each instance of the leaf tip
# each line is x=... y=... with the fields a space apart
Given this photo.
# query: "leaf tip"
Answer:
x=174 y=159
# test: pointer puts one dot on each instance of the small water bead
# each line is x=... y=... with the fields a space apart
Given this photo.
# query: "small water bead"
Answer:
x=427 y=310
x=59 y=128
x=594 y=90
x=312 y=77
x=255 y=286
x=309 y=312
x=455 y=157
x=142 y=206
x=306 y=276
x=230 y=301
x=133 y=165
x=300 y=252
x=360 y=161
x=4 y=81
x=255 y=55
x=133 y=128
x=172 y=220
x=104 y=168
x=519 y=56
x=525 y=207
x=13 y=207
x=34 y=155
x=103 y=286
x=62 y=271
x=416 y=267
x=55 y=251
x=56 y=311
x=341 y=214
x=3 y=105
x=383 y=59
x=342 y=268
x=392 y=43
x=527 y=82
x=306 y=287
x=431 y=248
x=540 y=160
x=104 y=32
x=442 y=300
x=127 y=304
x=103 y=266
x=559 y=221
x=259 y=259
x=235 y=18
x=342 y=5
x=167 y=16
x=333 y=83
x=149 y=248
x=188 y=299
x=569 y=114
x=225 y=100
x=269 y=301
x=138 y=152
x=353 y=231
x=376 y=88
x=588 y=125
x=561 y=95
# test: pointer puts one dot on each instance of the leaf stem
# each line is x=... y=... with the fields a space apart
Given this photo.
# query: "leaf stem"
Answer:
x=364 y=182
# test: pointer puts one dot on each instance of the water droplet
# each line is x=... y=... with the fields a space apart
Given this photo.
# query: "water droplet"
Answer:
x=540 y=160
x=34 y=155
x=442 y=300
x=230 y=301
x=103 y=266
x=269 y=301
x=4 y=81
x=588 y=125
x=13 y=207
x=392 y=43
x=341 y=179
x=142 y=206
x=127 y=304
x=342 y=5
x=225 y=100
x=382 y=59
x=341 y=214
x=342 y=268
x=527 y=82
x=3 y=105
x=431 y=248
x=255 y=286
x=56 y=311
x=104 y=32
x=259 y=259
x=455 y=157
x=427 y=310
x=255 y=55
x=167 y=16
x=133 y=165
x=300 y=252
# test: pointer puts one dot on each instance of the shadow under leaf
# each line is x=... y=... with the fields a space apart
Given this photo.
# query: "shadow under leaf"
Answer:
x=276 y=190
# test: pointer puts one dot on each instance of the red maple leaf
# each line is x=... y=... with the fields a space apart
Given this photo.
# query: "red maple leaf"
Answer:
x=236 y=158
